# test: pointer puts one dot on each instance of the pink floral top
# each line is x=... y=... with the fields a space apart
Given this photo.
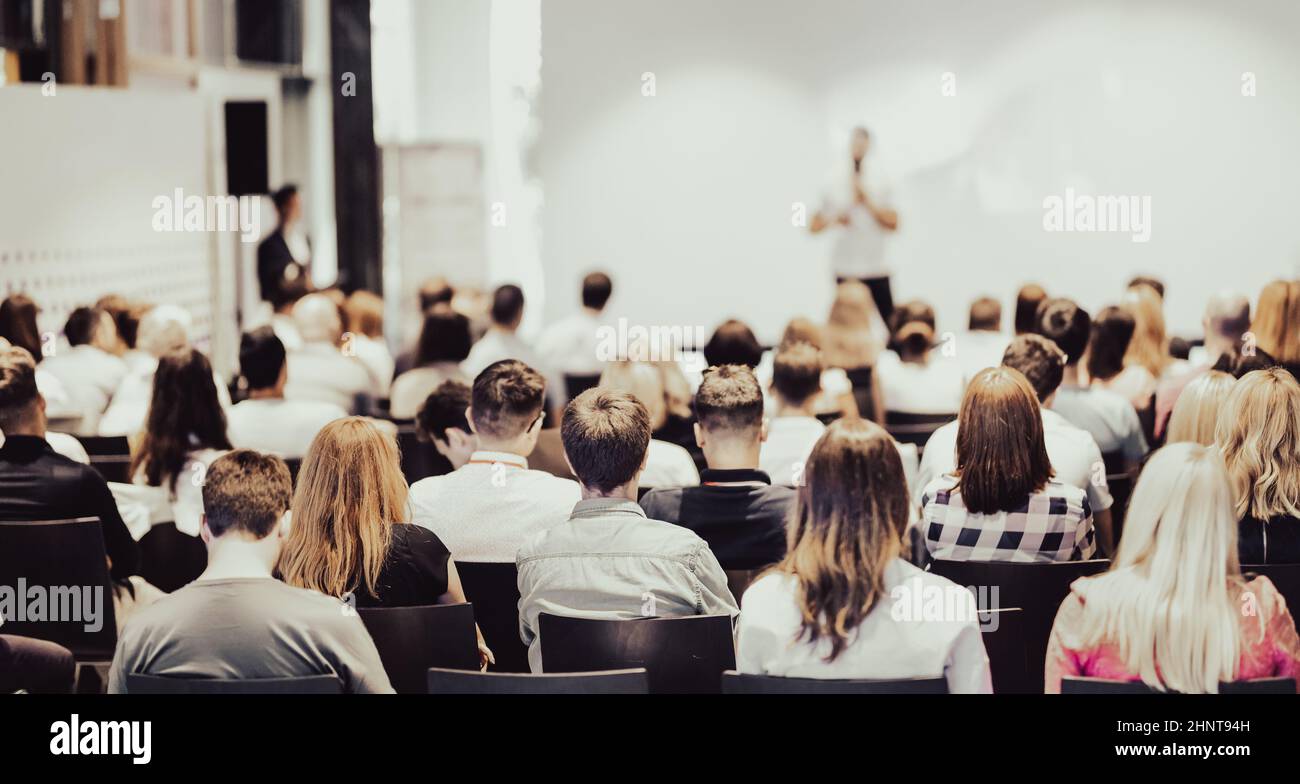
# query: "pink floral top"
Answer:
x=1270 y=647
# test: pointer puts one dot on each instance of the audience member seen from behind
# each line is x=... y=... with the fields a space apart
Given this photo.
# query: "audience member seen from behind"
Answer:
x=915 y=378
x=836 y=396
x=443 y=421
x=87 y=369
x=984 y=342
x=444 y=344
x=18 y=327
x=1226 y=324
x=502 y=341
x=321 y=370
x=1028 y=299
x=1196 y=414
x=363 y=312
x=854 y=337
x=570 y=346
x=667 y=464
x=1274 y=328
x=793 y=428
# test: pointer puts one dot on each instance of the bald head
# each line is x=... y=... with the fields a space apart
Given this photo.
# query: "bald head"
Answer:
x=318 y=319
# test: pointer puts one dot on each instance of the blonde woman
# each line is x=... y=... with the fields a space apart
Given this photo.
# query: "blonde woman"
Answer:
x=1172 y=611
x=667 y=464
x=1197 y=411
x=1259 y=433
x=350 y=534
x=838 y=605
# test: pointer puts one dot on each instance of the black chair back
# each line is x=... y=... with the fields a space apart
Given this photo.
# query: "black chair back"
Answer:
x=66 y=558
x=493 y=589
x=575 y=384
x=632 y=681
x=312 y=684
x=1037 y=588
x=1121 y=488
x=1285 y=577
x=860 y=379
x=1003 y=632
x=738 y=683
x=915 y=428
x=419 y=458
x=682 y=655
x=1102 y=686
x=410 y=640
x=110 y=456
x=170 y=559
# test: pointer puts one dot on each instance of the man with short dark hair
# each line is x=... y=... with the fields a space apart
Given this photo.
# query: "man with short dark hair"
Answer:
x=442 y=421
x=266 y=421
x=236 y=621
x=501 y=341
x=736 y=509
x=484 y=510
x=570 y=346
x=87 y=369
x=794 y=427
x=609 y=560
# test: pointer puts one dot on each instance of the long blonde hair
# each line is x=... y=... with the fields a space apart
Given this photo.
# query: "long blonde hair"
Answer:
x=1149 y=346
x=1196 y=413
x=1170 y=601
x=1259 y=432
x=848 y=341
x=350 y=493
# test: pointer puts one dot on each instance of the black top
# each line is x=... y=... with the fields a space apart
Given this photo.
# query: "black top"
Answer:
x=273 y=262
x=415 y=572
x=744 y=525
x=37 y=483
x=1277 y=542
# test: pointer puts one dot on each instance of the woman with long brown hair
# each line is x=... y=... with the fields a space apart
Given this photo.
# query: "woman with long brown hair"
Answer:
x=843 y=603
x=351 y=534
x=1001 y=503
x=1277 y=323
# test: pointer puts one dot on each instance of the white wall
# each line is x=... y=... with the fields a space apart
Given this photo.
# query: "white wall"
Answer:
x=686 y=196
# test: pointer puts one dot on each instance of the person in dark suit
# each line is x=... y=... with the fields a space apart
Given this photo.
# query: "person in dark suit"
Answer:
x=282 y=259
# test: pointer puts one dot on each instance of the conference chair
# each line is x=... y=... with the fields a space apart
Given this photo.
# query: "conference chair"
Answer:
x=1103 y=686
x=110 y=456
x=410 y=640
x=1285 y=577
x=65 y=558
x=419 y=458
x=915 y=428
x=1037 y=588
x=154 y=684
x=739 y=683
x=681 y=655
x=575 y=384
x=1121 y=489
x=493 y=589
x=170 y=559
x=1003 y=633
x=631 y=681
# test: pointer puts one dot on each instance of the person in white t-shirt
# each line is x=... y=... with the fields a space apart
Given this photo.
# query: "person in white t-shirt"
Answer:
x=862 y=221
x=87 y=370
x=364 y=313
x=321 y=370
x=501 y=341
x=266 y=421
x=915 y=377
x=570 y=345
x=794 y=427
x=984 y=342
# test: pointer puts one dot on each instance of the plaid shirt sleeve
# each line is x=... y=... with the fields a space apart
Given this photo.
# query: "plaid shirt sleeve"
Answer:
x=1054 y=524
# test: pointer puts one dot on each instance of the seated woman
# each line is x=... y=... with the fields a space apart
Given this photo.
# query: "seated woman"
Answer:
x=914 y=378
x=351 y=536
x=1196 y=413
x=1001 y=503
x=444 y=343
x=1259 y=433
x=836 y=396
x=830 y=609
x=1108 y=362
x=185 y=430
x=1173 y=610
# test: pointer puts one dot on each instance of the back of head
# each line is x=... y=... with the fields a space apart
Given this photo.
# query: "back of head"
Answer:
x=644 y=382
x=1155 y=284
x=596 y=290
x=318 y=320
x=606 y=434
x=1270 y=324
x=1001 y=455
x=850 y=342
x=985 y=315
x=797 y=373
x=1149 y=346
x=245 y=493
x=802 y=330
x=435 y=291
x=445 y=337
x=261 y=358
x=443 y=410
x=283 y=197
x=185 y=414
x=126 y=316
x=733 y=343
x=506 y=399
x=729 y=403
x=364 y=312
x=1196 y=413
x=507 y=306
x=1040 y=360
x=1259 y=432
x=84 y=325
x=1171 y=600
x=164 y=329
x=1030 y=296
x=350 y=493
x=18 y=394
x=18 y=324
x=846 y=529
x=912 y=329
x=1227 y=316
x=1067 y=325
x=1112 y=331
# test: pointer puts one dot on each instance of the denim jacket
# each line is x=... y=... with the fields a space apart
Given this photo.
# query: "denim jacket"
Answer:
x=610 y=561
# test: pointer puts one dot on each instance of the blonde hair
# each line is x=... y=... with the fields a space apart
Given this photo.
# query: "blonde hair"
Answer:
x=848 y=341
x=1276 y=326
x=364 y=311
x=350 y=493
x=1170 y=602
x=1149 y=346
x=1196 y=413
x=1259 y=432
x=643 y=382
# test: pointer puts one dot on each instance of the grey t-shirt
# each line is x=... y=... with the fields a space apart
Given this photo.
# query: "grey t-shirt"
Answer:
x=245 y=628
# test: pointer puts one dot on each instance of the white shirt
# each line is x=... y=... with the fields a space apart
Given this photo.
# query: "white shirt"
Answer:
x=187 y=503
x=935 y=387
x=859 y=248
x=978 y=350
x=90 y=375
x=129 y=408
x=570 y=345
x=896 y=639
x=411 y=388
x=789 y=440
x=834 y=382
x=282 y=427
x=1108 y=417
x=495 y=345
x=486 y=509
x=1074 y=455
x=320 y=371
x=374 y=354
x=668 y=465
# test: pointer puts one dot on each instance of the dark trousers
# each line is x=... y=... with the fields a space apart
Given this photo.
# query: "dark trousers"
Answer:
x=37 y=666
x=879 y=292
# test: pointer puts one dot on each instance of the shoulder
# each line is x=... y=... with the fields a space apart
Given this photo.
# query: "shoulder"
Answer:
x=769 y=589
x=676 y=539
x=662 y=500
x=551 y=482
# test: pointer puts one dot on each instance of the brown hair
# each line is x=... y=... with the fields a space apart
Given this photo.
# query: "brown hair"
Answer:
x=606 y=435
x=246 y=491
x=797 y=372
x=185 y=414
x=350 y=493
x=1149 y=346
x=506 y=398
x=17 y=385
x=845 y=529
x=849 y=342
x=1030 y=296
x=1276 y=317
x=985 y=315
x=1001 y=455
x=1041 y=360
x=18 y=324
x=363 y=311
x=729 y=398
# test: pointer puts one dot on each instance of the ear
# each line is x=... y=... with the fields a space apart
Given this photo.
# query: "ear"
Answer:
x=459 y=439
x=699 y=435
x=205 y=533
x=762 y=430
x=286 y=522
x=469 y=417
x=442 y=447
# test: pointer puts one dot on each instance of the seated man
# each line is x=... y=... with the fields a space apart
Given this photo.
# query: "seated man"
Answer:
x=736 y=509
x=609 y=560
x=87 y=370
x=442 y=421
x=321 y=370
x=484 y=510
x=236 y=621
x=793 y=429
x=266 y=421
x=1075 y=458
